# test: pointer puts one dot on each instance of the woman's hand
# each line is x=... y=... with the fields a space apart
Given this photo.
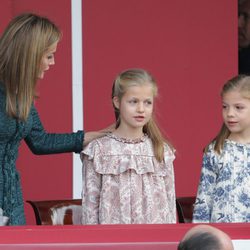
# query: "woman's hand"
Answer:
x=89 y=136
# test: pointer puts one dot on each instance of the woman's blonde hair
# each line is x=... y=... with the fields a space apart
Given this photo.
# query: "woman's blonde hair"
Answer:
x=22 y=45
x=240 y=83
x=135 y=77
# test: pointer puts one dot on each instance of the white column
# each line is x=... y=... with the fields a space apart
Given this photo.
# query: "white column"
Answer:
x=77 y=88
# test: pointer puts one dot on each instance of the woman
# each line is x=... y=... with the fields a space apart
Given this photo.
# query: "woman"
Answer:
x=27 y=48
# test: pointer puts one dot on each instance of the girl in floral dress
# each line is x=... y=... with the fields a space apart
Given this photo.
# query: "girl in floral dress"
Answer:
x=224 y=189
x=128 y=175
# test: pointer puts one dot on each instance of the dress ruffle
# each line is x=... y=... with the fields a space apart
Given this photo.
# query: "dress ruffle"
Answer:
x=136 y=155
x=123 y=183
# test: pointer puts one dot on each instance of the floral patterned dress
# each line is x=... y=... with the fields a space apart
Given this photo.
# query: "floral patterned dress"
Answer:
x=123 y=183
x=224 y=189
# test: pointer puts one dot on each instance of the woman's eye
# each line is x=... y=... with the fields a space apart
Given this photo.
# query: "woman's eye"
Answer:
x=50 y=57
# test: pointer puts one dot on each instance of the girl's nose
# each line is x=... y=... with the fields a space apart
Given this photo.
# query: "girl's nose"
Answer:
x=140 y=107
x=230 y=112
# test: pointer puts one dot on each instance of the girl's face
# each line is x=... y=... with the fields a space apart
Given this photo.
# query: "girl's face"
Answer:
x=47 y=60
x=136 y=107
x=236 y=114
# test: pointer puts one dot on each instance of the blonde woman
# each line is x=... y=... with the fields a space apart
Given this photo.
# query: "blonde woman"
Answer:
x=27 y=49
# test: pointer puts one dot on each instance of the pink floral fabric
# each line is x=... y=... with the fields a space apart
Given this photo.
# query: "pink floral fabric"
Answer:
x=123 y=183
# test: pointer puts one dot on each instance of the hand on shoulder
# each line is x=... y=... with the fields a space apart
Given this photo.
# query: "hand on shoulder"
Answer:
x=91 y=135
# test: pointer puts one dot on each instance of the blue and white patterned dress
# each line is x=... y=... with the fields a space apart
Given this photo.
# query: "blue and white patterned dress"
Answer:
x=224 y=188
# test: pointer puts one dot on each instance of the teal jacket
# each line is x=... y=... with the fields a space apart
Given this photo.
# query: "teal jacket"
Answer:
x=12 y=131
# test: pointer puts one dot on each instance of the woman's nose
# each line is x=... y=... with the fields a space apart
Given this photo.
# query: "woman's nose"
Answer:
x=52 y=61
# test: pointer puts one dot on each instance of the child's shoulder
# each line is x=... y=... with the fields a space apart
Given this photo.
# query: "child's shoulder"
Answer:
x=210 y=146
x=168 y=148
x=169 y=152
x=101 y=140
x=98 y=147
x=228 y=145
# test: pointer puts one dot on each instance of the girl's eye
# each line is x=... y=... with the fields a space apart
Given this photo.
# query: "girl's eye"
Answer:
x=224 y=106
x=132 y=101
x=148 y=102
x=239 y=107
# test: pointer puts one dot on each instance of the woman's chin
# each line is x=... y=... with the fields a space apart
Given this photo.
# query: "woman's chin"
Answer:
x=41 y=76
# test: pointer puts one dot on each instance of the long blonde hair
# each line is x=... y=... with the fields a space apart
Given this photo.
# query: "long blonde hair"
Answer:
x=135 y=77
x=240 y=83
x=22 y=45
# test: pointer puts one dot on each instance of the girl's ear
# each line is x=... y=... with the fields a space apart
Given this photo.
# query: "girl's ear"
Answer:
x=116 y=102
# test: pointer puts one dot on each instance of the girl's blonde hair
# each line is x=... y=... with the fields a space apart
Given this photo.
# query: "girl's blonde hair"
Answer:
x=240 y=83
x=135 y=77
x=22 y=45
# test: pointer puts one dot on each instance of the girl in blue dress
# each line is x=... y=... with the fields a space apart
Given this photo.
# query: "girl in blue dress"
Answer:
x=224 y=188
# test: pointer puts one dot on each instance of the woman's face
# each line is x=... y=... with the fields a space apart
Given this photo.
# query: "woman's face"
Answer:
x=47 y=60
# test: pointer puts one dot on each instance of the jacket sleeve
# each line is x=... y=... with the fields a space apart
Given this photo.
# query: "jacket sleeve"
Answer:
x=204 y=198
x=41 y=142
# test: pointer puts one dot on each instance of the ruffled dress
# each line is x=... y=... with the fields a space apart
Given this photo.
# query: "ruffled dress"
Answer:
x=123 y=183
